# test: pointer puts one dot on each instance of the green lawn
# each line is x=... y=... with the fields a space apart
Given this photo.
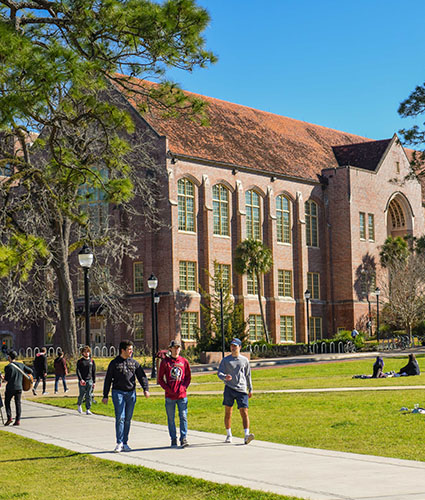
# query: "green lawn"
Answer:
x=316 y=375
x=34 y=471
x=361 y=422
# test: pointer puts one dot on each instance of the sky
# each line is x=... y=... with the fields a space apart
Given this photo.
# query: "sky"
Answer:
x=342 y=64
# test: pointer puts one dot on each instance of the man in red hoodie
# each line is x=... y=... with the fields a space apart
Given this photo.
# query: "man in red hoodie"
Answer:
x=174 y=377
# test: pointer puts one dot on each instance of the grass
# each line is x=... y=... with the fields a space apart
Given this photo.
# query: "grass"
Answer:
x=75 y=476
x=315 y=376
x=360 y=422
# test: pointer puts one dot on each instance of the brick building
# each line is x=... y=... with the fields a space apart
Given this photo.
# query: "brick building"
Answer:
x=323 y=200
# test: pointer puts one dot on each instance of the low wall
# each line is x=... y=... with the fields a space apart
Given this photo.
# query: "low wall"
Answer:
x=209 y=357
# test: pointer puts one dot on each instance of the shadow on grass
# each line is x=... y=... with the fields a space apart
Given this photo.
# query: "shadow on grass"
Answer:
x=31 y=459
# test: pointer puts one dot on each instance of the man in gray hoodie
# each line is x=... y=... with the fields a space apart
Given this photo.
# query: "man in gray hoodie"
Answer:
x=235 y=372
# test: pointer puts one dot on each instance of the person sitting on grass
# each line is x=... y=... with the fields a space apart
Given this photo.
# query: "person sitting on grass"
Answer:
x=378 y=368
x=412 y=367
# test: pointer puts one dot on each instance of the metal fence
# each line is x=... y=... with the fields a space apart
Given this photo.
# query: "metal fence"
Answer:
x=97 y=351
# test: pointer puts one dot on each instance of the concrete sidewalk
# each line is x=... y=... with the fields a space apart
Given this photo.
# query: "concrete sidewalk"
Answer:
x=286 y=470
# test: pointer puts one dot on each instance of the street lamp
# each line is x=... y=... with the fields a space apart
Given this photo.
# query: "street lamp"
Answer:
x=85 y=258
x=152 y=284
x=369 y=318
x=222 y=320
x=377 y=293
x=307 y=296
x=156 y=300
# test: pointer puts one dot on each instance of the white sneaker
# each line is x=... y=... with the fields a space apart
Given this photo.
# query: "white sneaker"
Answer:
x=125 y=447
x=44 y=393
x=228 y=439
x=248 y=438
x=88 y=412
x=80 y=410
x=118 y=448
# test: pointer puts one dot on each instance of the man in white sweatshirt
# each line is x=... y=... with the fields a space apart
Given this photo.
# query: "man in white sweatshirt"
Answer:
x=235 y=372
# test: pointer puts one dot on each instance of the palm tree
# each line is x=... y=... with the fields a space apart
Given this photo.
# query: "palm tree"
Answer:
x=253 y=257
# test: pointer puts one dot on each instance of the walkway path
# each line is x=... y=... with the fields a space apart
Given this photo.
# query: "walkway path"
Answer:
x=288 y=470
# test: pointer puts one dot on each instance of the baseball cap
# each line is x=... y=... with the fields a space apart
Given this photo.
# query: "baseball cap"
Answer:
x=236 y=342
x=174 y=343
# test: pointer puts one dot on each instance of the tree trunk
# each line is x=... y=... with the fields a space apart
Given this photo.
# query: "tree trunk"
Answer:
x=68 y=336
x=266 y=332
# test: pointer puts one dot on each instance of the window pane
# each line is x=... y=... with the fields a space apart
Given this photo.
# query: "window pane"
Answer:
x=186 y=205
x=362 y=226
x=371 y=227
x=221 y=210
x=286 y=328
x=252 y=206
x=313 y=284
x=311 y=224
x=255 y=327
x=283 y=219
x=187 y=275
x=189 y=322
x=139 y=333
x=138 y=277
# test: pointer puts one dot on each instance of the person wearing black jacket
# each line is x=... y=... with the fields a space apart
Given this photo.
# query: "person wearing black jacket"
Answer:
x=40 y=370
x=13 y=376
x=86 y=373
x=122 y=373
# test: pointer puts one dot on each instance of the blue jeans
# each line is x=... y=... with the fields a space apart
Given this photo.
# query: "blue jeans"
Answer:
x=124 y=405
x=57 y=377
x=170 y=408
x=85 y=393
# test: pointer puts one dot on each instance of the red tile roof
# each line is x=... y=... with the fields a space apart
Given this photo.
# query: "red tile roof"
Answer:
x=245 y=137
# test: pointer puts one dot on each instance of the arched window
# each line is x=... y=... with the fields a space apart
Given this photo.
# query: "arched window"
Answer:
x=311 y=223
x=186 y=205
x=283 y=219
x=221 y=210
x=252 y=205
x=398 y=220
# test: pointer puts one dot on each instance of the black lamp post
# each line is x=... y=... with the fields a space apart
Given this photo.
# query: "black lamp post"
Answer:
x=369 y=318
x=156 y=300
x=307 y=296
x=85 y=258
x=222 y=321
x=152 y=284
x=377 y=293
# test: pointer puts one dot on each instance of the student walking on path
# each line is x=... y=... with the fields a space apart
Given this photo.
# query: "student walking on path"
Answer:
x=122 y=373
x=40 y=370
x=61 y=371
x=174 y=377
x=235 y=372
x=13 y=375
x=86 y=373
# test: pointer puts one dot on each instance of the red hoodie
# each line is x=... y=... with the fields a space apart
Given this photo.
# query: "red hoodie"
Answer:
x=174 y=377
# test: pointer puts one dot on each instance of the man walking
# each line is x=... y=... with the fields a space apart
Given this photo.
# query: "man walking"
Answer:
x=122 y=373
x=235 y=372
x=174 y=377
x=86 y=373
x=40 y=370
x=13 y=375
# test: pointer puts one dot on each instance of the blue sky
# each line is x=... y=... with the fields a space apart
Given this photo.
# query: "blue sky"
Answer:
x=343 y=64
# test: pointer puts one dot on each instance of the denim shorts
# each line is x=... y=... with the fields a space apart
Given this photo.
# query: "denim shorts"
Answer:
x=230 y=395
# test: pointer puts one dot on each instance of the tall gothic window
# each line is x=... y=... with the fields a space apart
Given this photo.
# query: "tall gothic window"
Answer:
x=311 y=223
x=283 y=219
x=252 y=205
x=186 y=205
x=221 y=210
